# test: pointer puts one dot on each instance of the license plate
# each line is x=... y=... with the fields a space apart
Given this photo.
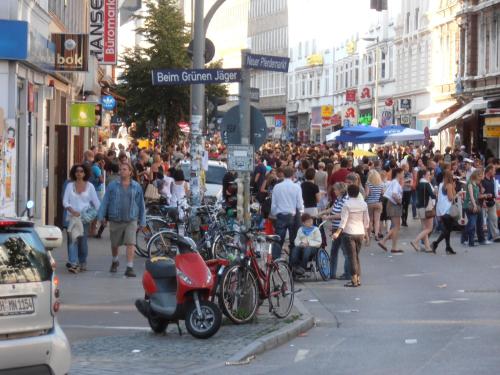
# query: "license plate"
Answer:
x=16 y=306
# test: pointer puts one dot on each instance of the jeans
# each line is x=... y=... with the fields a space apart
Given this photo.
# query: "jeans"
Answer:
x=405 y=203
x=351 y=244
x=334 y=257
x=447 y=225
x=79 y=249
x=414 y=203
x=283 y=223
x=301 y=255
x=492 y=221
x=474 y=223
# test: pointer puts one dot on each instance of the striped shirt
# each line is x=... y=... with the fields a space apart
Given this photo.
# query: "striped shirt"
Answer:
x=375 y=193
x=337 y=209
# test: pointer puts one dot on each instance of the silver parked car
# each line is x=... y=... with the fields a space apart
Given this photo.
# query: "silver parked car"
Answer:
x=31 y=340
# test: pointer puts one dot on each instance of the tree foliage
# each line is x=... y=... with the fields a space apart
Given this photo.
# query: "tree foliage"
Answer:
x=166 y=37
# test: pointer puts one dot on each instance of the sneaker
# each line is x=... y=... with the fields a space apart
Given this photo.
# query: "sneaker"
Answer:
x=83 y=267
x=129 y=272
x=114 y=266
x=74 y=269
x=69 y=265
x=485 y=243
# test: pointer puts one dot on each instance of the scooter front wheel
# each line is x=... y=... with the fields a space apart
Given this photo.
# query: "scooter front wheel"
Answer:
x=204 y=326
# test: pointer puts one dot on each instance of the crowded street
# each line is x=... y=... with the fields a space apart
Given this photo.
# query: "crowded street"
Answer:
x=249 y=187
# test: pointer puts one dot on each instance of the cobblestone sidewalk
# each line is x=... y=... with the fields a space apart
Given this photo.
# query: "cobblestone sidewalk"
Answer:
x=147 y=353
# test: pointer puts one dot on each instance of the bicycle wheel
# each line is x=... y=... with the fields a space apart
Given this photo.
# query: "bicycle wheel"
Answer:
x=160 y=245
x=323 y=264
x=225 y=244
x=153 y=225
x=239 y=295
x=281 y=289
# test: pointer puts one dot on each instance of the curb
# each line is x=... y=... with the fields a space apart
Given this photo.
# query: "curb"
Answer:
x=275 y=339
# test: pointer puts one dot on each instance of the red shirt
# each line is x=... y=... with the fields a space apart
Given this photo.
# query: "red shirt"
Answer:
x=339 y=176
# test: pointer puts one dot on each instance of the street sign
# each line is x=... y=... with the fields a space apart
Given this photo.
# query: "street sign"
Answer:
x=240 y=158
x=108 y=102
x=162 y=77
x=254 y=95
x=405 y=119
x=231 y=132
x=209 y=50
x=265 y=62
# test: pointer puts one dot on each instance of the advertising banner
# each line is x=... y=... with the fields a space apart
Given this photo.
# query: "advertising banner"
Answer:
x=71 y=52
x=350 y=96
x=316 y=117
x=7 y=166
x=82 y=114
x=103 y=31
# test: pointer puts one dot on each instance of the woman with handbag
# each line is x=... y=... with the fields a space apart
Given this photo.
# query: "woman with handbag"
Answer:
x=473 y=209
x=394 y=195
x=425 y=208
x=446 y=210
x=81 y=202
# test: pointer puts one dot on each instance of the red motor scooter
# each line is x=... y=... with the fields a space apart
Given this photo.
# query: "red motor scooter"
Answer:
x=180 y=290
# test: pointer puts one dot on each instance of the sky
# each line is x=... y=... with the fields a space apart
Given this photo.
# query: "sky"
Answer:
x=330 y=22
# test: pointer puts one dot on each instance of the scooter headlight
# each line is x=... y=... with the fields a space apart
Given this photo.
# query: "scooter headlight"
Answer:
x=184 y=277
x=209 y=276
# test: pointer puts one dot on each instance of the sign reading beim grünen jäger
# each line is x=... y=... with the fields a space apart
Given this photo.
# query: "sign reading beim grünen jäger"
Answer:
x=194 y=76
x=265 y=62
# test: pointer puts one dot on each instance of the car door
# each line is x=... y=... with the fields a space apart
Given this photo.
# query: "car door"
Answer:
x=25 y=284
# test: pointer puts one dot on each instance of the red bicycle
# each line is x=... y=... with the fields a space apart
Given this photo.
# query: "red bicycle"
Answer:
x=245 y=284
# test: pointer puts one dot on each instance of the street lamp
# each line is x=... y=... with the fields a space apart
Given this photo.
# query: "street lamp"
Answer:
x=375 y=94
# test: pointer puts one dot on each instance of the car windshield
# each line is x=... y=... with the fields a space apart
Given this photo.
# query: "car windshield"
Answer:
x=214 y=175
x=23 y=259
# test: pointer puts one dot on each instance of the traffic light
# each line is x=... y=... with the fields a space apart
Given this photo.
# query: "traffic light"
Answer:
x=378 y=5
x=212 y=112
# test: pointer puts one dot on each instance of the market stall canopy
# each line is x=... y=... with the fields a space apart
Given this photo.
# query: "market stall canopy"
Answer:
x=435 y=109
x=331 y=137
x=392 y=133
x=351 y=133
x=474 y=105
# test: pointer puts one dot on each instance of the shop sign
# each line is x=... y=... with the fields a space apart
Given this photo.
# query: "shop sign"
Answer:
x=405 y=119
x=82 y=114
x=365 y=119
x=365 y=93
x=103 y=31
x=42 y=51
x=336 y=120
x=350 y=95
x=350 y=113
x=71 y=52
x=386 y=118
x=326 y=111
x=405 y=104
x=315 y=60
x=108 y=102
x=491 y=131
x=15 y=46
x=492 y=120
x=351 y=47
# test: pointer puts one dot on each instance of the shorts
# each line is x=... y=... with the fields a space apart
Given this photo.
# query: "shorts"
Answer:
x=393 y=210
x=122 y=233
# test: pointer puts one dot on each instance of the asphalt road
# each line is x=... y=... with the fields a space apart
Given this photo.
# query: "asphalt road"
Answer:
x=415 y=314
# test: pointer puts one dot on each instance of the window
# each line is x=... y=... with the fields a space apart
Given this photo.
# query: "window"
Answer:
x=417 y=11
x=370 y=68
x=407 y=24
x=383 y=56
x=327 y=81
x=300 y=50
x=307 y=49
x=356 y=73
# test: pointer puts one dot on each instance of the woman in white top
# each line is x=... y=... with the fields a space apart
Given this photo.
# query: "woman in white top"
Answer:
x=180 y=189
x=394 y=195
x=354 y=223
x=446 y=196
x=79 y=195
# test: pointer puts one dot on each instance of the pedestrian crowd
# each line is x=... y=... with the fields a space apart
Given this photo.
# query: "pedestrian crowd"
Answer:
x=366 y=196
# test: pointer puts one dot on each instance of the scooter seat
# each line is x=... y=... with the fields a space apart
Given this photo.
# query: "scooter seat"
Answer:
x=161 y=268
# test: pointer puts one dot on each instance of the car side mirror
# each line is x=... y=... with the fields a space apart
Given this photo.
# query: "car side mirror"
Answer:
x=50 y=235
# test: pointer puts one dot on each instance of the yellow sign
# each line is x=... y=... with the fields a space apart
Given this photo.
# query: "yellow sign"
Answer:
x=491 y=131
x=326 y=110
x=492 y=120
x=315 y=60
x=351 y=47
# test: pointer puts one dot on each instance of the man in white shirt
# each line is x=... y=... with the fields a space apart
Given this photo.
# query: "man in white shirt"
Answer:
x=123 y=131
x=468 y=168
x=286 y=203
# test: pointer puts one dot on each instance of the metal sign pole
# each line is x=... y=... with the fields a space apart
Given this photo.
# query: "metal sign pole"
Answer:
x=197 y=106
x=245 y=132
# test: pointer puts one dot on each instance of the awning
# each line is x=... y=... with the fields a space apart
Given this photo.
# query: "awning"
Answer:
x=474 y=105
x=435 y=109
x=331 y=137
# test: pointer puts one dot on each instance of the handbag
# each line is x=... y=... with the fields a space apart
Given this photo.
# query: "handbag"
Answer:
x=151 y=193
x=88 y=215
x=430 y=209
x=455 y=211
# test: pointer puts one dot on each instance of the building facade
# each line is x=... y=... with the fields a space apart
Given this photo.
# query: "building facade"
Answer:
x=268 y=35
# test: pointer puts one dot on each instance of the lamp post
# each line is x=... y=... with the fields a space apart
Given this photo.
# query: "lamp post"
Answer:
x=375 y=93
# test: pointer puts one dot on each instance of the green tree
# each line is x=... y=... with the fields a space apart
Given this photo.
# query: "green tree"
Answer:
x=166 y=36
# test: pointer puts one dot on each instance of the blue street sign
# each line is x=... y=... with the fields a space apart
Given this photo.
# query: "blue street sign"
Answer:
x=108 y=102
x=193 y=76
x=265 y=62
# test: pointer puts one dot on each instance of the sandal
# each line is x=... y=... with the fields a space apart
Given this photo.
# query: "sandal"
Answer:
x=350 y=284
x=382 y=246
x=396 y=251
x=414 y=246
